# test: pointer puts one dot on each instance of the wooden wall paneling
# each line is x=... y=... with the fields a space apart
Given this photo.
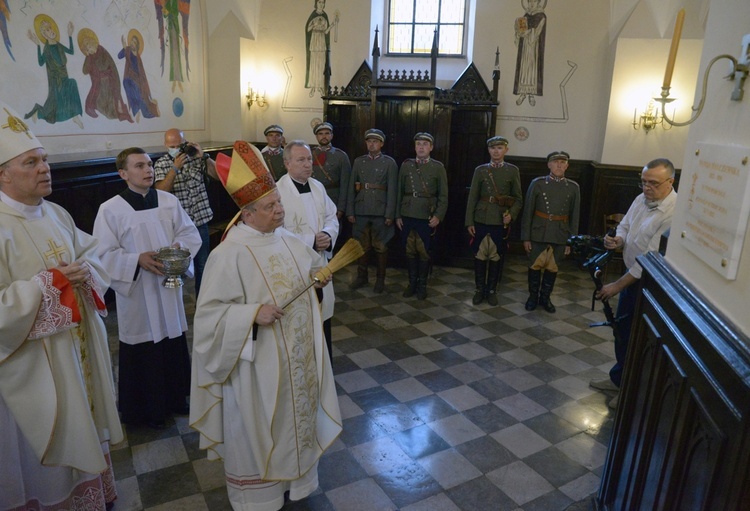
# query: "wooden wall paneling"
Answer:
x=681 y=438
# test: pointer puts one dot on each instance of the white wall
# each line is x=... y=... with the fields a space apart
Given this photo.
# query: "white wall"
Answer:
x=722 y=122
x=637 y=77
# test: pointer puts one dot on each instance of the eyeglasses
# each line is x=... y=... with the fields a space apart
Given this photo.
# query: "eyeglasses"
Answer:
x=652 y=184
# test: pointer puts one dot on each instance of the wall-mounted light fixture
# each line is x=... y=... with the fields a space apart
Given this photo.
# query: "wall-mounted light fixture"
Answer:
x=253 y=96
x=649 y=119
x=738 y=74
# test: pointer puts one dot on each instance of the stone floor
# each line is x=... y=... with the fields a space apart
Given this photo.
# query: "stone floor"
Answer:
x=446 y=405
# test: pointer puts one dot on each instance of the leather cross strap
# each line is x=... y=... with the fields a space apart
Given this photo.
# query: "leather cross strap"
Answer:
x=551 y=218
x=500 y=200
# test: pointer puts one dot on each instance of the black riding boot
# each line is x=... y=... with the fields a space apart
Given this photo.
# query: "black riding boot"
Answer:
x=382 y=259
x=548 y=283
x=412 y=265
x=535 y=277
x=361 y=279
x=494 y=274
x=424 y=268
x=480 y=269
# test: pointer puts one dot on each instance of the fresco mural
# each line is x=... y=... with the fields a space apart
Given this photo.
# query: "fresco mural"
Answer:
x=130 y=57
x=531 y=31
x=318 y=42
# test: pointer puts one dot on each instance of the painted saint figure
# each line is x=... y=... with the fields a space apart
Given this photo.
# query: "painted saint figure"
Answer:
x=4 y=19
x=531 y=30
x=63 y=101
x=105 y=94
x=134 y=79
x=317 y=42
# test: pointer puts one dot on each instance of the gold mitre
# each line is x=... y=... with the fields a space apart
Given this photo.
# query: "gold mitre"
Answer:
x=15 y=136
x=244 y=174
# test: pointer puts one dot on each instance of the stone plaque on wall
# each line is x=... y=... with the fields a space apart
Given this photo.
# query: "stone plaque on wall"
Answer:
x=718 y=187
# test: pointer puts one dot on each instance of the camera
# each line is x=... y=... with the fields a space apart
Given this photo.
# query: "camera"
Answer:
x=591 y=250
x=188 y=149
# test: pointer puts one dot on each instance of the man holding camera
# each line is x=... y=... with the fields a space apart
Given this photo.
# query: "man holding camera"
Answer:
x=648 y=217
x=182 y=172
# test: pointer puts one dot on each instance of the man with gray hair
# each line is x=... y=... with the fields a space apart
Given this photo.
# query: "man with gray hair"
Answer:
x=57 y=398
x=649 y=216
x=310 y=215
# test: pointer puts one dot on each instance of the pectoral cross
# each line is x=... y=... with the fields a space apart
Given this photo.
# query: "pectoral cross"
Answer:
x=55 y=251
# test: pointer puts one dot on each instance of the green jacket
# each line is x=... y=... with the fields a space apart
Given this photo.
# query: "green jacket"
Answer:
x=378 y=200
x=332 y=168
x=494 y=190
x=551 y=211
x=422 y=190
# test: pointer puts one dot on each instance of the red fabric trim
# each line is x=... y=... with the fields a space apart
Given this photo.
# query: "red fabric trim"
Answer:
x=67 y=294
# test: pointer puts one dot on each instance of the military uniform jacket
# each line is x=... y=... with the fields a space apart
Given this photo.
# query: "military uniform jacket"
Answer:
x=551 y=210
x=494 y=190
x=332 y=168
x=275 y=163
x=363 y=199
x=422 y=190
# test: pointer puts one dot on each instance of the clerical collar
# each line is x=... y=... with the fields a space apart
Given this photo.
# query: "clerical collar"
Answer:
x=374 y=157
x=301 y=187
x=556 y=179
x=140 y=202
x=29 y=212
x=497 y=165
x=422 y=161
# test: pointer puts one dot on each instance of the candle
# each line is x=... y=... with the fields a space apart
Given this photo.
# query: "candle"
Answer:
x=635 y=111
x=673 y=49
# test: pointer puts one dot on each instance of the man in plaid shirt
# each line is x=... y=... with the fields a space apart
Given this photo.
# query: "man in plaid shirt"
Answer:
x=182 y=172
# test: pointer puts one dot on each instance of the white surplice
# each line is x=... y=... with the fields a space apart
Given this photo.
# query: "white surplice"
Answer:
x=307 y=214
x=146 y=310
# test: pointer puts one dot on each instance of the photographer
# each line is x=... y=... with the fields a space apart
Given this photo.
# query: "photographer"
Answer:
x=182 y=172
x=648 y=217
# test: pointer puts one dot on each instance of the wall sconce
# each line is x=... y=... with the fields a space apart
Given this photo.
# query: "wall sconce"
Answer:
x=649 y=119
x=253 y=96
x=738 y=74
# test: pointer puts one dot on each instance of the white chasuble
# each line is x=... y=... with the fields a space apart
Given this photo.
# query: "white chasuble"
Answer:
x=281 y=381
x=58 y=387
x=307 y=214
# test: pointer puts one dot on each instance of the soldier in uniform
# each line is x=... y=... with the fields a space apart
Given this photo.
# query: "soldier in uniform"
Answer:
x=371 y=206
x=421 y=205
x=331 y=167
x=549 y=219
x=495 y=200
x=273 y=153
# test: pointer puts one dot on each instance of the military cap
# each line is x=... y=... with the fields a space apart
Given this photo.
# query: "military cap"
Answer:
x=423 y=135
x=558 y=155
x=497 y=140
x=323 y=126
x=375 y=133
x=15 y=138
x=273 y=128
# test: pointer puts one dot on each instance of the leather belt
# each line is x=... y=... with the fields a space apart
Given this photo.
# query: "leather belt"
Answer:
x=499 y=200
x=551 y=218
x=370 y=186
x=420 y=195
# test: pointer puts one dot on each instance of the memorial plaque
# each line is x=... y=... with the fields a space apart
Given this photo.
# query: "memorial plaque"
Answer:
x=718 y=188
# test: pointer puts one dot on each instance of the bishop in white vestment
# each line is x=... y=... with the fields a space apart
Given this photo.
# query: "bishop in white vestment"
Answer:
x=263 y=395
